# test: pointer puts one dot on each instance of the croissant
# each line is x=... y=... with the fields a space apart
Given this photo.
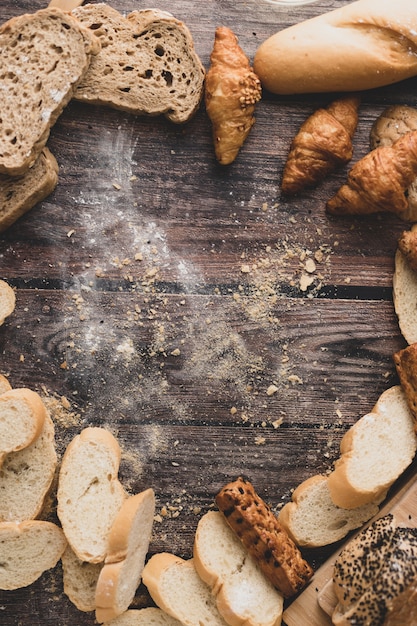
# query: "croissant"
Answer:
x=378 y=182
x=231 y=91
x=323 y=143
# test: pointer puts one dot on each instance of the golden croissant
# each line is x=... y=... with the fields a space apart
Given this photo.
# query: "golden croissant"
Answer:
x=323 y=143
x=231 y=91
x=378 y=182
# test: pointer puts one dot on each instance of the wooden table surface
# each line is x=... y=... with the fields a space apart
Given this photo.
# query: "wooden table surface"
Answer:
x=160 y=295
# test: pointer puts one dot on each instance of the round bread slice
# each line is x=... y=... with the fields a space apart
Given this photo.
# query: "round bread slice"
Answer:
x=127 y=546
x=27 y=550
x=144 y=617
x=7 y=300
x=405 y=296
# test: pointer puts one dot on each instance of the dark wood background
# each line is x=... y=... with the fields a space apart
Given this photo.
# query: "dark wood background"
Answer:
x=136 y=310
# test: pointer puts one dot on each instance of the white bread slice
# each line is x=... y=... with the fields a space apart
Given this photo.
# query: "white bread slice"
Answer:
x=4 y=384
x=19 y=194
x=26 y=477
x=374 y=452
x=312 y=520
x=7 y=300
x=144 y=617
x=243 y=594
x=43 y=56
x=405 y=296
x=127 y=546
x=89 y=493
x=147 y=64
x=177 y=589
x=22 y=415
x=80 y=580
x=27 y=549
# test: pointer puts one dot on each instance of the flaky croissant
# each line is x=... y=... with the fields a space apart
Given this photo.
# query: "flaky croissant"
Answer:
x=231 y=91
x=378 y=182
x=323 y=143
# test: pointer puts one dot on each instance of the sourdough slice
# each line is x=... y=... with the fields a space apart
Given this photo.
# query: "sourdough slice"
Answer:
x=22 y=415
x=374 y=452
x=144 y=617
x=7 y=300
x=127 y=546
x=19 y=194
x=243 y=594
x=26 y=477
x=27 y=550
x=147 y=65
x=177 y=589
x=80 y=580
x=89 y=492
x=405 y=296
x=43 y=56
x=312 y=519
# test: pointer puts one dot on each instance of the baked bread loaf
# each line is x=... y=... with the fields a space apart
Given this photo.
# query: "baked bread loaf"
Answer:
x=374 y=452
x=147 y=65
x=7 y=300
x=26 y=477
x=312 y=519
x=127 y=546
x=222 y=561
x=361 y=45
x=89 y=493
x=263 y=536
x=42 y=57
x=19 y=194
x=144 y=617
x=177 y=589
x=27 y=549
x=405 y=295
x=80 y=580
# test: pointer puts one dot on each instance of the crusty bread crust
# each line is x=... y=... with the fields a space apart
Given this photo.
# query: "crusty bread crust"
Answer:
x=373 y=43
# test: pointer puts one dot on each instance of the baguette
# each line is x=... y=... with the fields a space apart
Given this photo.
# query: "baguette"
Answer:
x=144 y=617
x=361 y=45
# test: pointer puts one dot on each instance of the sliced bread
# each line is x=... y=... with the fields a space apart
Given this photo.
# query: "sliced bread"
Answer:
x=374 y=452
x=147 y=64
x=19 y=194
x=7 y=300
x=43 y=56
x=243 y=594
x=4 y=384
x=80 y=580
x=405 y=295
x=127 y=546
x=27 y=549
x=89 y=493
x=144 y=617
x=177 y=589
x=313 y=520
x=22 y=415
x=26 y=477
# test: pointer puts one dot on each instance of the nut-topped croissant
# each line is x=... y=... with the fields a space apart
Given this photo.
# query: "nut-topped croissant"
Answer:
x=378 y=182
x=231 y=91
x=323 y=143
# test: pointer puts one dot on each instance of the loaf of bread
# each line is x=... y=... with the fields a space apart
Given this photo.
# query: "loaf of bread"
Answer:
x=89 y=493
x=42 y=58
x=224 y=564
x=19 y=194
x=7 y=300
x=374 y=452
x=80 y=580
x=405 y=295
x=313 y=520
x=144 y=617
x=147 y=65
x=361 y=45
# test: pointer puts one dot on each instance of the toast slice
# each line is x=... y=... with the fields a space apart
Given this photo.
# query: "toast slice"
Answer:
x=127 y=546
x=19 y=194
x=27 y=549
x=89 y=492
x=7 y=301
x=43 y=55
x=147 y=64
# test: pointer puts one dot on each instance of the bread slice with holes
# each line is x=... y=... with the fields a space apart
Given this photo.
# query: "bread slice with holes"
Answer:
x=243 y=595
x=312 y=520
x=150 y=616
x=43 y=55
x=147 y=65
x=89 y=492
x=27 y=550
x=20 y=194
x=127 y=546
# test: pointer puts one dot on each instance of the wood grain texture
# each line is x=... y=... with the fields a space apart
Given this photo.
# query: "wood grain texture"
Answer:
x=161 y=295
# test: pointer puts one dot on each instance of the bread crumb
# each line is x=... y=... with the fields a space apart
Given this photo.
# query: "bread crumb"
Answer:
x=272 y=389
